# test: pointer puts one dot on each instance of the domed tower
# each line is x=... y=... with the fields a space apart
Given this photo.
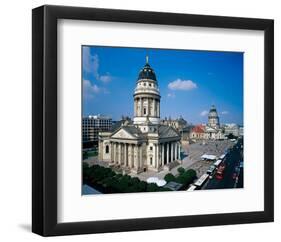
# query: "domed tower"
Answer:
x=147 y=97
x=213 y=118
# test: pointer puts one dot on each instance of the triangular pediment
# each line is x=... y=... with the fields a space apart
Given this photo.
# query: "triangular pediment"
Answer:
x=210 y=129
x=172 y=132
x=122 y=134
x=168 y=132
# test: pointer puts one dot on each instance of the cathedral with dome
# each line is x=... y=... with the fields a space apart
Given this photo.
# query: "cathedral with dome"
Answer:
x=212 y=130
x=143 y=144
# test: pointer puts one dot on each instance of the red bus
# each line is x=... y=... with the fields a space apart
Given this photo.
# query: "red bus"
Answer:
x=220 y=171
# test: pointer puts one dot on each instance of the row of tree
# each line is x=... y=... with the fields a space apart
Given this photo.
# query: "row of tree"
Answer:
x=107 y=181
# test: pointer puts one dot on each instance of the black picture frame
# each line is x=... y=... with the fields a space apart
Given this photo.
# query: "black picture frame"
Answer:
x=44 y=120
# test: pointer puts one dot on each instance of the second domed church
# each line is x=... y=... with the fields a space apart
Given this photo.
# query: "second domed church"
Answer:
x=142 y=144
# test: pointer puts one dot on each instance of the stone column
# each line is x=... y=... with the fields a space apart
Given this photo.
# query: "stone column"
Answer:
x=148 y=108
x=125 y=155
x=157 y=156
x=119 y=154
x=152 y=107
x=111 y=152
x=158 y=109
x=176 y=151
x=136 y=155
x=162 y=151
x=122 y=155
x=130 y=156
x=114 y=153
x=133 y=155
x=172 y=151
x=179 y=151
x=155 y=107
x=140 y=111
x=167 y=158
x=154 y=156
x=140 y=157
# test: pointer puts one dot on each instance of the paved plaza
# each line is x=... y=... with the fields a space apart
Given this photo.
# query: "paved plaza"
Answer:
x=196 y=150
x=190 y=155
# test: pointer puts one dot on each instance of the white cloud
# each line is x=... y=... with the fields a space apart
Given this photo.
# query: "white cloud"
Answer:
x=184 y=85
x=96 y=64
x=91 y=64
x=224 y=112
x=89 y=89
x=204 y=113
x=106 y=78
x=171 y=95
x=88 y=59
x=85 y=58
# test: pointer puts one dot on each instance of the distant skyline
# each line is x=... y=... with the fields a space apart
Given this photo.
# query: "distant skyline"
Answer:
x=190 y=81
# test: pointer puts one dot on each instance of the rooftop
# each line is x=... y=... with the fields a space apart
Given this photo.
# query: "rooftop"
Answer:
x=98 y=116
x=147 y=72
x=198 y=129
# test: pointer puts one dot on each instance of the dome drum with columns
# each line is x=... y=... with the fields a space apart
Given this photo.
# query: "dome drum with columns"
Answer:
x=143 y=144
x=213 y=118
x=147 y=97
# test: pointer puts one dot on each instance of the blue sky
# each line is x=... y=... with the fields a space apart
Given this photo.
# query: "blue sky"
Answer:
x=189 y=81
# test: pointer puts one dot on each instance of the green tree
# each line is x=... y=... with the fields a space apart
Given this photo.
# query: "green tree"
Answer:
x=192 y=173
x=187 y=177
x=169 y=177
x=152 y=187
x=181 y=170
x=164 y=189
x=86 y=172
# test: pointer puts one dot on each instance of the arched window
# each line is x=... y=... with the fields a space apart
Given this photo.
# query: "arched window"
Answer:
x=107 y=149
x=144 y=111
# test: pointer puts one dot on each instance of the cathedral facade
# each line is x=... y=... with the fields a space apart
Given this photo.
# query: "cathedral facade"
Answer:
x=142 y=144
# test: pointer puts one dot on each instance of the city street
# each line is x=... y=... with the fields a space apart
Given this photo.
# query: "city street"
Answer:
x=232 y=161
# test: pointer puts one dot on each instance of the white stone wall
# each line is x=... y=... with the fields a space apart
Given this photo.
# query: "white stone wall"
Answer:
x=150 y=155
x=106 y=156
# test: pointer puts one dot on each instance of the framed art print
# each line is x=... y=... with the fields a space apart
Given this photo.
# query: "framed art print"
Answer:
x=149 y=120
